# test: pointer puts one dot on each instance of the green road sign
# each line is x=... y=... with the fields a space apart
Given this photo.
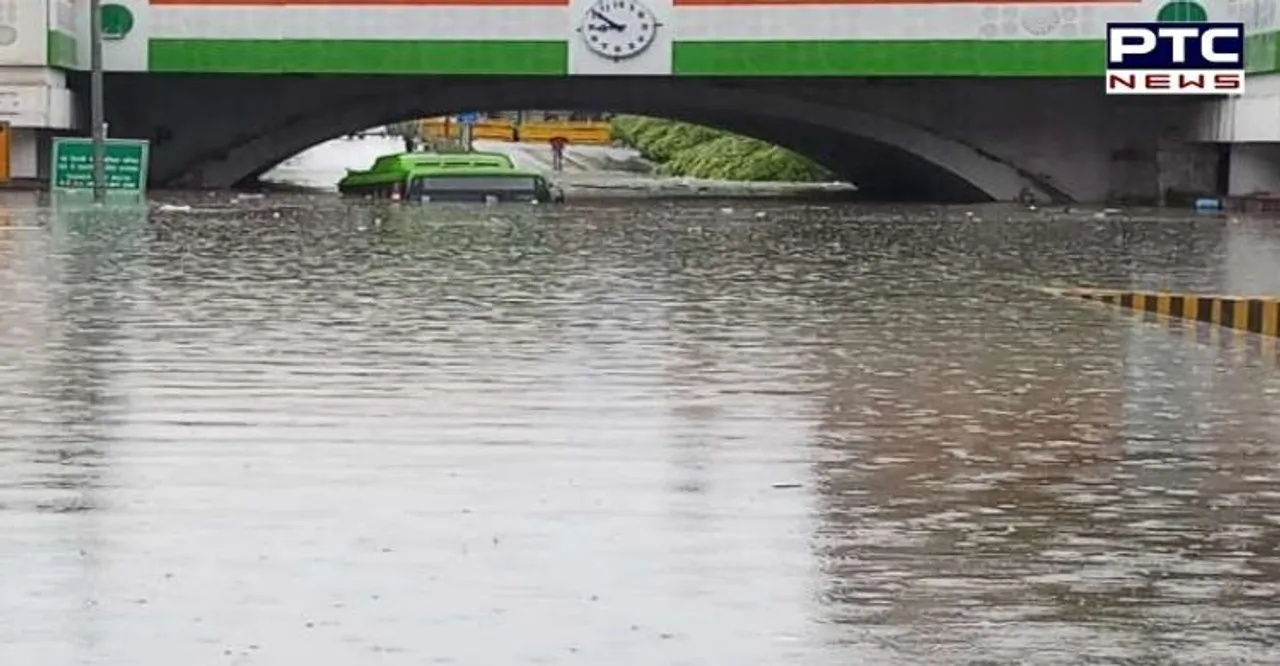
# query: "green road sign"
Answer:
x=126 y=163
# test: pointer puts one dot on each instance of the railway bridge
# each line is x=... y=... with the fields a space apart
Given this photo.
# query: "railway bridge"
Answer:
x=909 y=99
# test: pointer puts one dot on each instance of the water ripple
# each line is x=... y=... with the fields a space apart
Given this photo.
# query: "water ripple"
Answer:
x=302 y=431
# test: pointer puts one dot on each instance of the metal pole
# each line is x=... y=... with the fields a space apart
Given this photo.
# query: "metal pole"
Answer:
x=96 y=102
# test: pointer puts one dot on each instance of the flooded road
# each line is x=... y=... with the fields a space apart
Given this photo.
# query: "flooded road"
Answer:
x=591 y=171
x=297 y=431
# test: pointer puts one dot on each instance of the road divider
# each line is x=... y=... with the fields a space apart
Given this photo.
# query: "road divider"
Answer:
x=577 y=133
x=1256 y=314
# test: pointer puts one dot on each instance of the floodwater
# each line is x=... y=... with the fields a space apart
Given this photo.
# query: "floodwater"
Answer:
x=298 y=431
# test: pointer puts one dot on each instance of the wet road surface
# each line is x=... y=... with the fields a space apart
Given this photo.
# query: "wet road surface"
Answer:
x=296 y=431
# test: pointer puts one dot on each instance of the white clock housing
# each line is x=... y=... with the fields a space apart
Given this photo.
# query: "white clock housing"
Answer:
x=618 y=29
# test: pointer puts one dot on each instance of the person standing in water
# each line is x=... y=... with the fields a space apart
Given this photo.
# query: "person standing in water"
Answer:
x=557 y=152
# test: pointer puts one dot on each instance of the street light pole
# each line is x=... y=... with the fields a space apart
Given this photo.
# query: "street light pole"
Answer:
x=96 y=102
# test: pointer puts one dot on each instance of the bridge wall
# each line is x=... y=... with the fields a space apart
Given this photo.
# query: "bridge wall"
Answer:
x=997 y=98
x=696 y=37
x=1249 y=124
x=1054 y=138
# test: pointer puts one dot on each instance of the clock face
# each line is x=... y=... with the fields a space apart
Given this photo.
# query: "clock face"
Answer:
x=618 y=29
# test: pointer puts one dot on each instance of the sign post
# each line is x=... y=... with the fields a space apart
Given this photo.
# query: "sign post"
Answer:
x=97 y=111
x=75 y=166
x=6 y=152
x=468 y=121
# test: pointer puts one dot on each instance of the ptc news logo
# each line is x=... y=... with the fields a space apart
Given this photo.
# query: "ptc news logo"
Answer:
x=1175 y=59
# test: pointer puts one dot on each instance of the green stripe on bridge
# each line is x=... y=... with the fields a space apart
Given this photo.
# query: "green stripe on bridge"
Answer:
x=891 y=58
x=246 y=56
x=990 y=58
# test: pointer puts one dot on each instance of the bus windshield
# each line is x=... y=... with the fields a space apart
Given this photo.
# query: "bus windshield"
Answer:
x=505 y=184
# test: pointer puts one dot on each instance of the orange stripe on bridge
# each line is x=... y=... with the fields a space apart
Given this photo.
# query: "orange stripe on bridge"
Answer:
x=828 y=3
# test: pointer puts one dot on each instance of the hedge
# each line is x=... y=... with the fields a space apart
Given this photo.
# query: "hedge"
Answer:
x=683 y=149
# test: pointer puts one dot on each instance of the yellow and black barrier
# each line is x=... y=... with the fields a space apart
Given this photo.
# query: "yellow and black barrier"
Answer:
x=576 y=132
x=1256 y=314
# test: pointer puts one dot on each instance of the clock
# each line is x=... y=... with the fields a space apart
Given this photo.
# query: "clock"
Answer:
x=618 y=29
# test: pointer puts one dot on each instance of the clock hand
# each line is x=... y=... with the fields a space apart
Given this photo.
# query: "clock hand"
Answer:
x=613 y=25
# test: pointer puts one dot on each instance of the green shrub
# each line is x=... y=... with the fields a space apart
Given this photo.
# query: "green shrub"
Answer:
x=623 y=128
x=678 y=138
x=648 y=133
x=684 y=149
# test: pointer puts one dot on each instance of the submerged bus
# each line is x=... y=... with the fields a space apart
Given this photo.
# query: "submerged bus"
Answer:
x=450 y=177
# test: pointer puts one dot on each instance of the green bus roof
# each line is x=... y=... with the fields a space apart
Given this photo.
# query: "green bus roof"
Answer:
x=471 y=171
x=403 y=162
x=398 y=167
x=454 y=160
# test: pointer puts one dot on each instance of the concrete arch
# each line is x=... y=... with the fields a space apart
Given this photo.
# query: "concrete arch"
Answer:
x=887 y=158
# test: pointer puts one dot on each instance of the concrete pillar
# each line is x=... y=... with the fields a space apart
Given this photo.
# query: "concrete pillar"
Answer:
x=1255 y=169
x=1186 y=169
x=36 y=102
x=24 y=152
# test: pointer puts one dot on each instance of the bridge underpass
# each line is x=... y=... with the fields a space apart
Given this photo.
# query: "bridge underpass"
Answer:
x=938 y=140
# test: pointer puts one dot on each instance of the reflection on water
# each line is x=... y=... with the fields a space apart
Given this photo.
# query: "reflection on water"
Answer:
x=296 y=431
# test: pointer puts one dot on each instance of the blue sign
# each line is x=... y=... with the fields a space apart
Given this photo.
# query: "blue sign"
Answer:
x=1171 y=47
x=469 y=118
